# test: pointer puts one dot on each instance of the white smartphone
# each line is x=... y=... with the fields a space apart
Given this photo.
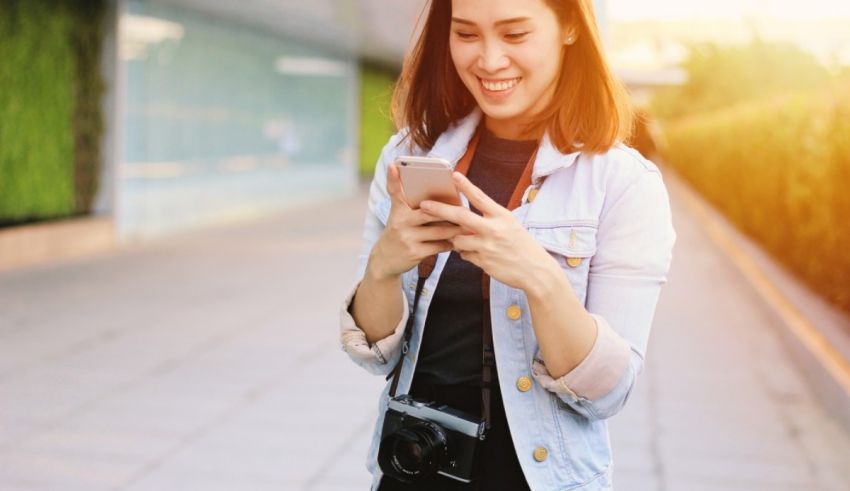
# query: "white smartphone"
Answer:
x=427 y=178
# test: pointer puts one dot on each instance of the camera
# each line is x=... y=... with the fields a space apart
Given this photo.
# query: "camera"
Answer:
x=420 y=439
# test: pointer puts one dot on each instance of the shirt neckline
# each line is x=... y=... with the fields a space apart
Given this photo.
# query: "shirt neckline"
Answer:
x=503 y=149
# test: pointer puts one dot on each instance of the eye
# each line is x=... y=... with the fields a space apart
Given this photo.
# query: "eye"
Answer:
x=465 y=35
x=516 y=35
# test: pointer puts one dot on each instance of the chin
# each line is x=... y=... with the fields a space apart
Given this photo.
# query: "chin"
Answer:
x=500 y=112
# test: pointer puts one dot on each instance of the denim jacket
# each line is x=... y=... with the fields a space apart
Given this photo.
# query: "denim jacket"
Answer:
x=606 y=219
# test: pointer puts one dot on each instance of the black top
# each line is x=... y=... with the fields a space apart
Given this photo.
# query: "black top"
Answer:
x=449 y=367
x=451 y=344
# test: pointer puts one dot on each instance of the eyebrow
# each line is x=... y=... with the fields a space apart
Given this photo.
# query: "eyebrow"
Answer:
x=498 y=22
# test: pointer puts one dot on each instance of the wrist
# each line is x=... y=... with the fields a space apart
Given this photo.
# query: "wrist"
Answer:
x=375 y=275
x=546 y=282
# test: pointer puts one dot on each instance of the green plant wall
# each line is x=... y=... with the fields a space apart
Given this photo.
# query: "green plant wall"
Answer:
x=50 y=117
x=376 y=125
x=36 y=103
x=87 y=124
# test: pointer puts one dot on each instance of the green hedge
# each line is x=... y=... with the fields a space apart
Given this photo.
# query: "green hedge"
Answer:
x=779 y=169
x=50 y=118
x=376 y=125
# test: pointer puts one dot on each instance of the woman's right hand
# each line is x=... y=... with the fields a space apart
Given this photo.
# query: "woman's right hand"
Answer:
x=408 y=238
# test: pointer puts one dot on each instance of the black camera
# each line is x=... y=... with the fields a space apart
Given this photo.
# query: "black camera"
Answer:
x=420 y=439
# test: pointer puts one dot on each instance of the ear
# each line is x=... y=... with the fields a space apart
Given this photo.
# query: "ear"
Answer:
x=570 y=35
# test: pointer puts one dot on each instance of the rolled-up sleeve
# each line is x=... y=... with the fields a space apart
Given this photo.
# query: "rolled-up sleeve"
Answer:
x=373 y=357
x=634 y=252
x=598 y=373
x=380 y=357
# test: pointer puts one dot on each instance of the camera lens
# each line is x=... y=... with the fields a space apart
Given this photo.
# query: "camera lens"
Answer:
x=409 y=454
x=413 y=452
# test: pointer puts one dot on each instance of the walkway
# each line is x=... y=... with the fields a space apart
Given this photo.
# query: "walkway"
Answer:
x=210 y=362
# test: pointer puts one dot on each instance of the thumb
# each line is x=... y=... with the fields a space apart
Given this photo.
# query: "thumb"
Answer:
x=475 y=195
x=394 y=188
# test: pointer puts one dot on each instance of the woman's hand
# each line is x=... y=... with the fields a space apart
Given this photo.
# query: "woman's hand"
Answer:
x=496 y=242
x=408 y=238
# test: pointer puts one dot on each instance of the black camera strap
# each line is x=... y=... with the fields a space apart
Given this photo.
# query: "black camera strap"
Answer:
x=426 y=266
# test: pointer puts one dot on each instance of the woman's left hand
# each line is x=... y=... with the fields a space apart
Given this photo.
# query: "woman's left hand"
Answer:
x=495 y=242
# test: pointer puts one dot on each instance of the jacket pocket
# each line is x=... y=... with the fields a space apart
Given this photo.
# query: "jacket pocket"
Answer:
x=572 y=245
x=585 y=443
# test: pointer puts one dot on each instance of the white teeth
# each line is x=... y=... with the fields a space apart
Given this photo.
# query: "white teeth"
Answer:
x=499 y=86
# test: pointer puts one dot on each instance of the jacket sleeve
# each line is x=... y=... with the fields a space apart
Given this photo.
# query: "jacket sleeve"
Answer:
x=378 y=358
x=634 y=252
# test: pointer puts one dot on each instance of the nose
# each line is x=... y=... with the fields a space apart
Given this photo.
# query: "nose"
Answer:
x=492 y=58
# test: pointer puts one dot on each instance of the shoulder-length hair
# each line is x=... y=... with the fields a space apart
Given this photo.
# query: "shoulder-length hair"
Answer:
x=589 y=110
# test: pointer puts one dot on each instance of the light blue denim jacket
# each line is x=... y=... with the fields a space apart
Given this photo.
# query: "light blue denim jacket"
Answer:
x=610 y=210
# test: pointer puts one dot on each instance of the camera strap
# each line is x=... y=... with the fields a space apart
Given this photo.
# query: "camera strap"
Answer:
x=426 y=266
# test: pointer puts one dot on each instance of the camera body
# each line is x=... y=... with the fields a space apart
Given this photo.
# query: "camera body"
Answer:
x=422 y=438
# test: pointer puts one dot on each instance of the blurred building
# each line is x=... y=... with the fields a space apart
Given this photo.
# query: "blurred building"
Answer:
x=219 y=110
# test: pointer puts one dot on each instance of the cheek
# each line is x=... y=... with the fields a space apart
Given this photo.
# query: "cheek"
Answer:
x=540 y=64
x=462 y=56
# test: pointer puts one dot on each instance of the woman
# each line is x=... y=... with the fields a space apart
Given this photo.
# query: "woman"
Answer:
x=516 y=90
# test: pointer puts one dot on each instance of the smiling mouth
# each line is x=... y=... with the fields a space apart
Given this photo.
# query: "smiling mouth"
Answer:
x=499 y=85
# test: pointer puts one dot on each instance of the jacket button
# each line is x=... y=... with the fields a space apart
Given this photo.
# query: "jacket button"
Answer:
x=523 y=384
x=573 y=261
x=540 y=454
x=531 y=195
x=514 y=312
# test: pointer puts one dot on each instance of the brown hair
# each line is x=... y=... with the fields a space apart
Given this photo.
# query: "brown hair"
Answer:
x=589 y=107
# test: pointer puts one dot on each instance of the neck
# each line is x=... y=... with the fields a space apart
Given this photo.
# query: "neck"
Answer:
x=511 y=130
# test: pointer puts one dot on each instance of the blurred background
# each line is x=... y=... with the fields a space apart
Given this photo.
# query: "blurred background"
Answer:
x=182 y=190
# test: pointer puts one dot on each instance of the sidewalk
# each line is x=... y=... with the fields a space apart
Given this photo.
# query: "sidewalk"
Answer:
x=211 y=362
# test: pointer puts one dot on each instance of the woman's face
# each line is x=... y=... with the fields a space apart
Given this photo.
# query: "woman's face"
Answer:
x=508 y=54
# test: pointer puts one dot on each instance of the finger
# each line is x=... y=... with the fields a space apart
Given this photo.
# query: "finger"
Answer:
x=455 y=214
x=436 y=247
x=437 y=232
x=466 y=243
x=394 y=185
x=418 y=217
x=476 y=196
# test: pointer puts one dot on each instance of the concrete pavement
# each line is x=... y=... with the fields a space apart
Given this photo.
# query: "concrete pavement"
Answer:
x=210 y=361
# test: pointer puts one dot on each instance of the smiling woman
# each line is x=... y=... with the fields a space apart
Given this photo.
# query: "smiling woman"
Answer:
x=515 y=328
x=533 y=66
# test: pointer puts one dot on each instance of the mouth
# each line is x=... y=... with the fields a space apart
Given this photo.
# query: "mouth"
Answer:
x=498 y=87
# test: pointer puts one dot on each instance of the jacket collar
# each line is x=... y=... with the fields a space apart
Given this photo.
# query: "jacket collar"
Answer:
x=452 y=144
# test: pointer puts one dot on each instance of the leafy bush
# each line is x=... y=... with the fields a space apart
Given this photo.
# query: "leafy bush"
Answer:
x=779 y=168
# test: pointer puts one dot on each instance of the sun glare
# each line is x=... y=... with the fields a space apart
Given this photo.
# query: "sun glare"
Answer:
x=628 y=10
